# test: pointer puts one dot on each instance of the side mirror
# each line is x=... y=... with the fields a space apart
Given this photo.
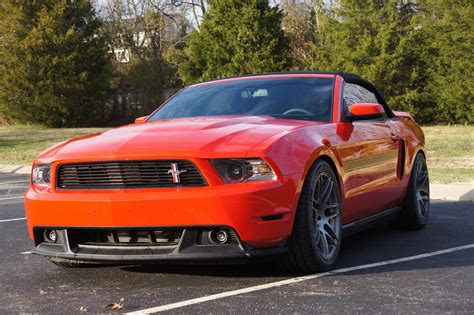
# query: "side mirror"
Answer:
x=140 y=120
x=364 y=111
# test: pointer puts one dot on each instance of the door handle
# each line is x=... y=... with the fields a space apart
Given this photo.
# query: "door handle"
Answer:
x=395 y=137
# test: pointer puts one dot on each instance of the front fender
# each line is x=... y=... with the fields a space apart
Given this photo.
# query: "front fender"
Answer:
x=296 y=152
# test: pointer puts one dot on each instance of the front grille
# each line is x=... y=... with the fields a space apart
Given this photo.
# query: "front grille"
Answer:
x=127 y=174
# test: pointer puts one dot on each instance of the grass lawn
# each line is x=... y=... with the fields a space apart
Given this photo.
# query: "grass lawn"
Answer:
x=21 y=144
x=450 y=152
x=450 y=148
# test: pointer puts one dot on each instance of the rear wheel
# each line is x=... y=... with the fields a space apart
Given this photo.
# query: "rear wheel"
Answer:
x=416 y=207
x=316 y=238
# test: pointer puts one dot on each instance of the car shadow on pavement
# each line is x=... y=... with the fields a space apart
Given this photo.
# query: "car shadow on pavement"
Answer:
x=239 y=269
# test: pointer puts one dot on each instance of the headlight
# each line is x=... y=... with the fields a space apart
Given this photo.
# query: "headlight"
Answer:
x=41 y=176
x=243 y=170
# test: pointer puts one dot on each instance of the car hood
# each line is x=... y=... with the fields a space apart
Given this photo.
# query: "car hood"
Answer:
x=198 y=137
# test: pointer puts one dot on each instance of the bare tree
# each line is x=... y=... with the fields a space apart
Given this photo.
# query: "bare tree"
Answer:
x=197 y=7
x=298 y=25
x=142 y=32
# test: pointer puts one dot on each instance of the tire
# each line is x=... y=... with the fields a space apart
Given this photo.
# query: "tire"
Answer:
x=316 y=238
x=416 y=206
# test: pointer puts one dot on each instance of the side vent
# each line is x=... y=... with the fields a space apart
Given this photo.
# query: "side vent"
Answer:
x=401 y=159
x=272 y=217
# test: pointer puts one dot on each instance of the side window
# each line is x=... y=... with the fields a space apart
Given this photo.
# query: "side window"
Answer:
x=354 y=93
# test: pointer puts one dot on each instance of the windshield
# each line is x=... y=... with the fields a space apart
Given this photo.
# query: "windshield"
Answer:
x=290 y=98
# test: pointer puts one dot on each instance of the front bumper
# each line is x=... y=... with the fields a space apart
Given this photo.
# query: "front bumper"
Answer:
x=260 y=213
x=188 y=249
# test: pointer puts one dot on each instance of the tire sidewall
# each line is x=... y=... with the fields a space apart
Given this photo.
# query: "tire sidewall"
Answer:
x=413 y=202
x=321 y=167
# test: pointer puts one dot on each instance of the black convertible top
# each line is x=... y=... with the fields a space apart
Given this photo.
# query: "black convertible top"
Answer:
x=348 y=77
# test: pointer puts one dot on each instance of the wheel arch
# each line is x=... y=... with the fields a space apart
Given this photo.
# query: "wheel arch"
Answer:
x=418 y=150
x=331 y=163
x=326 y=156
x=422 y=151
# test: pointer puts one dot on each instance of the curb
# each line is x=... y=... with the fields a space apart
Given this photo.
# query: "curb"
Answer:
x=449 y=192
x=452 y=192
x=15 y=169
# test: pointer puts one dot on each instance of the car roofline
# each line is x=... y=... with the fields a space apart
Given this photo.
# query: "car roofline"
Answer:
x=349 y=77
x=346 y=76
x=289 y=74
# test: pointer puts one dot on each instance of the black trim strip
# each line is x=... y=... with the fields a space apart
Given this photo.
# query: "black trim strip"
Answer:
x=356 y=226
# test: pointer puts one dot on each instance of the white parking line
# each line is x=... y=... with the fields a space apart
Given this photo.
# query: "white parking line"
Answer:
x=18 y=182
x=9 y=220
x=12 y=198
x=217 y=296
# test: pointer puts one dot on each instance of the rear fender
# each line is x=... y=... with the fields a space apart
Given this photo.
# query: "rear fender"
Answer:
x=403 y=114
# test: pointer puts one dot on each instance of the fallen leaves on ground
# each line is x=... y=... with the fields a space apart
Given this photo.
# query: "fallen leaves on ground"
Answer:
x=116 y=306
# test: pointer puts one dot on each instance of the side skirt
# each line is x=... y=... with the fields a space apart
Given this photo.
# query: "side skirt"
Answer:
x=356 y=226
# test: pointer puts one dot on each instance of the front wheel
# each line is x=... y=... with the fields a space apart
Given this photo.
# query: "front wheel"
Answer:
x=316 y=238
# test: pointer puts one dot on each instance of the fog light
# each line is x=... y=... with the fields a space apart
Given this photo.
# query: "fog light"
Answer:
x=222 y=236
x=51 y=236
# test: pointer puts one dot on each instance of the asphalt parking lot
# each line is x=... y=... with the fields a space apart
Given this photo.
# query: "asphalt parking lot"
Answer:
x=442 y=281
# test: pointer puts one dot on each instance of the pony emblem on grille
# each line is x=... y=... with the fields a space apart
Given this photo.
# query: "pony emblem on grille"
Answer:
x=176 y=172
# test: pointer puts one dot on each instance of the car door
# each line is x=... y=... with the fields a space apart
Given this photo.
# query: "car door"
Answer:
x=369 y=153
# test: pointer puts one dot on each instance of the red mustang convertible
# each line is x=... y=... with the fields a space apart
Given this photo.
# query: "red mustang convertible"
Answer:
x=279 y=165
